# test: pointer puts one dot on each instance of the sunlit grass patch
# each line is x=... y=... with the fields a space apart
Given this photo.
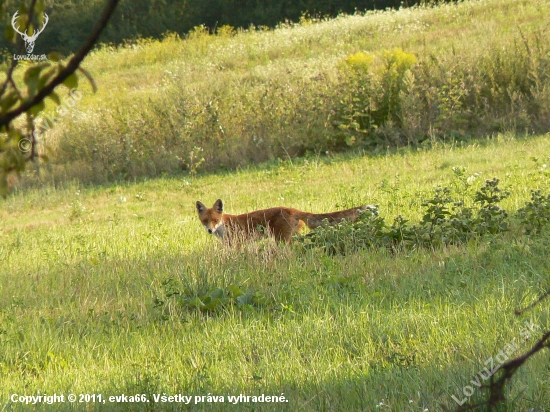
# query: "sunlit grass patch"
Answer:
x=98 y=288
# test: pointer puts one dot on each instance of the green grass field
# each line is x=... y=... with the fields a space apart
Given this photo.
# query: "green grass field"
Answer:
x=101 y=263
x=91 y=277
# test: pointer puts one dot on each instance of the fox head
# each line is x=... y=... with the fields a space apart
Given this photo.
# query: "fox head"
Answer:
x=212 y=218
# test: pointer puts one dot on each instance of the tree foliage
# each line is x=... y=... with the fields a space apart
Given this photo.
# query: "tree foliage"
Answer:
x=18 y=100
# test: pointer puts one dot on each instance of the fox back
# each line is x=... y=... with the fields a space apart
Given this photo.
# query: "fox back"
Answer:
x=281 y=222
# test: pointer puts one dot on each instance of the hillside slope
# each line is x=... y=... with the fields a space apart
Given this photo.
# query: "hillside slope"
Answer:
x=454 y=71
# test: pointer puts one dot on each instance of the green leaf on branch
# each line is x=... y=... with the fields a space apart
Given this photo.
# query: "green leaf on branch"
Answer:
x=71 y=82
x=9 y=101
x=89 y=77
x=55 y=57
x=37 y=108
x=45 y=77
x=39 y=8
x=55 y=98
x=32 y=76
x=10 y=33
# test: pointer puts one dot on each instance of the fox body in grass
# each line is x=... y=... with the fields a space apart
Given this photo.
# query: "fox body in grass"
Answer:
x=281 y=222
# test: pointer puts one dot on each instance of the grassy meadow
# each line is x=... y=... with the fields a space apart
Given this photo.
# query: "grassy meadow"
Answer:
x=91 y=281
x=365 y=82
x=102 y=262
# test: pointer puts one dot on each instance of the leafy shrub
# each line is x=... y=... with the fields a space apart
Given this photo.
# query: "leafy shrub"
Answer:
x=397 y=64
x=491 y=218
x=213 y=300
x=536 y=213
x=445 y=221
x=367 y=231
x=352 y=117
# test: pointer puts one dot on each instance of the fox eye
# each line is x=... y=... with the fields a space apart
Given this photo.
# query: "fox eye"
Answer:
x=214 y=221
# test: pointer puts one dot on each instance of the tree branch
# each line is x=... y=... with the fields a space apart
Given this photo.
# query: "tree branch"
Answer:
x=71 y=67
x=496 y=387
x=9 y=79
x=532 y=305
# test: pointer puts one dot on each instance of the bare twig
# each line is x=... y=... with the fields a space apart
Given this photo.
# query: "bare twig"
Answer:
x=532 y=305
x=509 y=369
x=496 y=387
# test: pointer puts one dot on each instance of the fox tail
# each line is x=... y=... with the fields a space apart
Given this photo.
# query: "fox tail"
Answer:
x=314 y=220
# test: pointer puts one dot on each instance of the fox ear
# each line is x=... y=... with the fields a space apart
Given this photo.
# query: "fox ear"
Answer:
x=200 y=207
x=218 y=206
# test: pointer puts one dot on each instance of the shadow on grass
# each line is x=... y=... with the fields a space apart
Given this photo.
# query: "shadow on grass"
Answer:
x=393 y=345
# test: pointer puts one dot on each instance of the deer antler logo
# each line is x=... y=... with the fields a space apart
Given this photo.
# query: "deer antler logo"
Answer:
x=29 y=40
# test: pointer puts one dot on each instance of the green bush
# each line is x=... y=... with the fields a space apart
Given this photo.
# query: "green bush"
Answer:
x=445 y=222
x=536 y=213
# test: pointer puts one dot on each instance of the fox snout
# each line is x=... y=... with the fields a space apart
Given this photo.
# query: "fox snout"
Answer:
x=209 y=230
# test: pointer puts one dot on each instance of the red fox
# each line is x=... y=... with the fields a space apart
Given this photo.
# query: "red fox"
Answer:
x=281 y=222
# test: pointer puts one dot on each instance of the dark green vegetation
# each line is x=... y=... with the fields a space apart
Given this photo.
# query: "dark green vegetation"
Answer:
x=445 y=221
x=71 y=20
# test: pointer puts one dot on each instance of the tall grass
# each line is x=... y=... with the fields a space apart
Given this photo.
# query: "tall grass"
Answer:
x=476 y=68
